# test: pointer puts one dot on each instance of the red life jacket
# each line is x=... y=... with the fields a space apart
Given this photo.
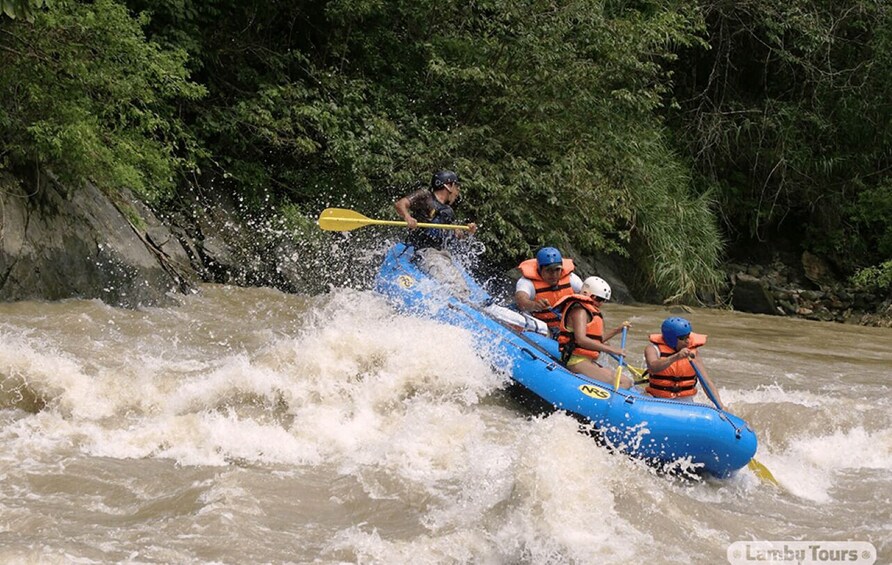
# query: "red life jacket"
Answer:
x=593 y=330
x=678 y=379
x=530 y=270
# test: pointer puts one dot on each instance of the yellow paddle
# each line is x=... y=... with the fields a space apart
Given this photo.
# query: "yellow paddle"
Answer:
x=761 y=471
x=641 y=376
x=341 y=219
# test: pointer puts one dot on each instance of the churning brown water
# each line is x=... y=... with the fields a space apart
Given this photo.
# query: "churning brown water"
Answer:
x=247 y=425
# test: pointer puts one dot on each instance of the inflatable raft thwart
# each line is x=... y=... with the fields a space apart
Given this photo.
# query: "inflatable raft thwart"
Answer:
x=691 y=436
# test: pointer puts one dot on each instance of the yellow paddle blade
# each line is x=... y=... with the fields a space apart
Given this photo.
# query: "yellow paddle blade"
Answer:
x=640 y=375
x=762 y=472
x=342 y=219
x=619 y=374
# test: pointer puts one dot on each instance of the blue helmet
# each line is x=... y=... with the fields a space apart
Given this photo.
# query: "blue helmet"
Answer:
x=673 y=328
x=548 y=256
x=443 y=177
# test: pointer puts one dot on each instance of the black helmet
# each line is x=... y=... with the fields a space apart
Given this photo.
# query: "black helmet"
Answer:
x=443 y=177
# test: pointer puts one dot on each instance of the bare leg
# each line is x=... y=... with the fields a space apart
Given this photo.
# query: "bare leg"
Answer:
x=603 y=374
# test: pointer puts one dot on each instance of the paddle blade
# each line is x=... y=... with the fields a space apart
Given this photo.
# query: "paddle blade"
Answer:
x=342 y=219
x=618 y=377
x=641 y=377
x=762 y=472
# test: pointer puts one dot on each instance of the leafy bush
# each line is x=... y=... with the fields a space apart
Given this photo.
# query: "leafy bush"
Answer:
x=541 y=111
x=876 y=278
x=86 y=95
x=788 y=118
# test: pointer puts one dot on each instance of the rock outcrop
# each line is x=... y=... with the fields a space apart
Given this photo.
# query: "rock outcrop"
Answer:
x=808 y=290
x=751 y=294
x=57 y=243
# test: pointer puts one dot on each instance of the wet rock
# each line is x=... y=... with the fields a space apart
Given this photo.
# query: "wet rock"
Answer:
x=831 y=300
x=788 y=307
x=837 y=304
x=750 y=294
x=811 y=295
x=754 y=270
x=817 y=270
x=77 y=243
x=783 y=294
x=825 y=316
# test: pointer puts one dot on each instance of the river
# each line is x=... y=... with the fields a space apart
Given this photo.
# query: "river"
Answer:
x=246 y=425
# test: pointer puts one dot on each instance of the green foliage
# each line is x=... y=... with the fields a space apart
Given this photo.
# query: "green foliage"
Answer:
x=789 y=118
x=539 y=108
x=872 y=213
x=20 y=8
x=683 y=242
x=876 y=278
x=88 y=97
x=611 y=126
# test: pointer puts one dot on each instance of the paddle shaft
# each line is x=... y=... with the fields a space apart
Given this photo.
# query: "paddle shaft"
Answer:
x=706 y=388
x=619 y=368
x=347 y=221
x=759 y=469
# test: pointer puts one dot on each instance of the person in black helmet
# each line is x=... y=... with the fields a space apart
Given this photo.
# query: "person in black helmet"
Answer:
x=433 y=206
x=433 y=246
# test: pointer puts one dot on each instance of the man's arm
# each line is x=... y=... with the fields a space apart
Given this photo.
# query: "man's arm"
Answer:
x=655 y=363
x=616 y=330
x=579 y=319
x=522 y=292
x=402 y=208
x=522 y=299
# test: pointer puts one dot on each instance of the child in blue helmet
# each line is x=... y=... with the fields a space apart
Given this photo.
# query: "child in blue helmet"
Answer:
x=670 y=356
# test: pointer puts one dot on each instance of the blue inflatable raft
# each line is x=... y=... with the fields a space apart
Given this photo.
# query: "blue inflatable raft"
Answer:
x=691 y=437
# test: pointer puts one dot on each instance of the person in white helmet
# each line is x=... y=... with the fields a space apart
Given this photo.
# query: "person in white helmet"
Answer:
x=582 y=338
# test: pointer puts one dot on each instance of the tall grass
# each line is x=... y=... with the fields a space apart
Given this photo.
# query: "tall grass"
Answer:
x=676 y=231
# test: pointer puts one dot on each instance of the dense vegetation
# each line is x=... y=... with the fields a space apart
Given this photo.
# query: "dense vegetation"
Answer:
x=657 y=129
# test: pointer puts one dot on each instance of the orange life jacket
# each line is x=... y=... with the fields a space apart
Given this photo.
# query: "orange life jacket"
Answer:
x=593 y=330
x=530 y=270
x=678 y=379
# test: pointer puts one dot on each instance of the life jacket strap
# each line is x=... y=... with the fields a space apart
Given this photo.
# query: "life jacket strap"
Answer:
x=675 y=388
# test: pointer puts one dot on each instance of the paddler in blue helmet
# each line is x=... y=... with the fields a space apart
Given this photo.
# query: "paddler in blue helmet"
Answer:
x=545 y=279
x=669 y=356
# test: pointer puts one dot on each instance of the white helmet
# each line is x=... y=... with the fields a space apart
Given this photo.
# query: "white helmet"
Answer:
x=597 y=287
